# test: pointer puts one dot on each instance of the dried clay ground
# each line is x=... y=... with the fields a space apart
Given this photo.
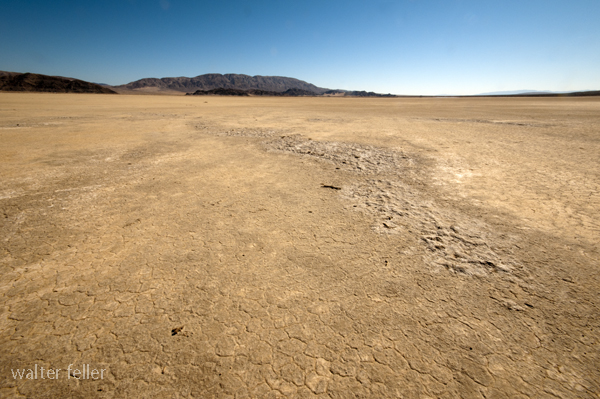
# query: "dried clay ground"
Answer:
x=299 y=247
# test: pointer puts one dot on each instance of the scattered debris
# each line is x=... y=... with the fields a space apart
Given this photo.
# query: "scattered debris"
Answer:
x=176 y=330
x=331 y=187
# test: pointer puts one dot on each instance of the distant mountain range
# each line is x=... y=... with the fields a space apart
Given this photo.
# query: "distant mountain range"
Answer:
x=14 y=81
x=217 y=84
x=288 y=93
x=536 y=93
x=278 y=84
x=513 y=92
x=239 y=85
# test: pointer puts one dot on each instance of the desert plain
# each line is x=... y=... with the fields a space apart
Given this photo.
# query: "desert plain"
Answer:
x=218 y=247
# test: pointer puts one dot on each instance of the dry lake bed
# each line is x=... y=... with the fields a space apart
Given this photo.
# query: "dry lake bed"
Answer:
x=178 y=246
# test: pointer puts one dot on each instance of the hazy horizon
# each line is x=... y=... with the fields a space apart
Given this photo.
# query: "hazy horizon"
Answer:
x=400 y=47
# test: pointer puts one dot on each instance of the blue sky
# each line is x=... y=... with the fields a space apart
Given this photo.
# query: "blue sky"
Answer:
x=401 y=47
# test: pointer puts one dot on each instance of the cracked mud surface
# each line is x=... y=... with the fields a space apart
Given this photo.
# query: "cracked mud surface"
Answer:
x=300 y=247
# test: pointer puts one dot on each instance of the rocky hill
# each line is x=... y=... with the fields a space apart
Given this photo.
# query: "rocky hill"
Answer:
x=212 y=81
x=14 y=81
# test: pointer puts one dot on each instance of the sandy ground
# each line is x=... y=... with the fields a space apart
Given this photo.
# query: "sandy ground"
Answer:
x=299 y=247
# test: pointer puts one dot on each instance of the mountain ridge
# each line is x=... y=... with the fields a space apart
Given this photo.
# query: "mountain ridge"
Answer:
x=34 y=82
x=213 y=81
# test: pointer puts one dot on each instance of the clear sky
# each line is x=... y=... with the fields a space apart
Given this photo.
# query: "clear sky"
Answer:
x=400 y=47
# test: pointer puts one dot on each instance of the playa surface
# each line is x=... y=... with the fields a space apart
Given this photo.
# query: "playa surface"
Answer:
x=299 y=247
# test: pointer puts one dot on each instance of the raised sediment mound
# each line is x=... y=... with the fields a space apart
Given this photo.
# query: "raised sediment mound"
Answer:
x=382 y=188
x=13 y=81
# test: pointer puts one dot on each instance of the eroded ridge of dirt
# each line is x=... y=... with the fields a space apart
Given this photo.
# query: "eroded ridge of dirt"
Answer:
x=454 y=241
x=243 y=132
x=348 y=156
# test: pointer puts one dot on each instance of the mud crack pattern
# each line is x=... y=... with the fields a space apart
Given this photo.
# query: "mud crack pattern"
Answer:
x=189 y=262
